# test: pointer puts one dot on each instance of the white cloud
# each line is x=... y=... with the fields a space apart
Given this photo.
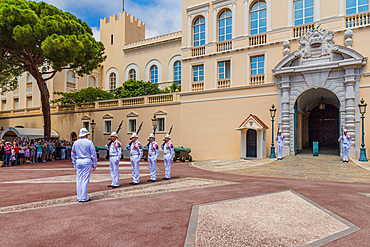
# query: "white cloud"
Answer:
x=160 y=16
x=96 y=32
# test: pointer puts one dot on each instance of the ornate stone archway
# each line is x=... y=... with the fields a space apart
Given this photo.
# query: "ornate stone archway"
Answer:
x=319 y=63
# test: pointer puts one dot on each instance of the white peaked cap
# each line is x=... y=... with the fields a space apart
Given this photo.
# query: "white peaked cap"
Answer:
x=134 y=135
x=114 y=134
x=279 y=131
x=83 y=132
x=151 y=135
x=167 y=136
x=344 y=130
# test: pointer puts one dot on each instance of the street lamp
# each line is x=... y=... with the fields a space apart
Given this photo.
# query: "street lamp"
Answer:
x=92 y=124
x=272 y=115
x=362 y=107
x=154 y=123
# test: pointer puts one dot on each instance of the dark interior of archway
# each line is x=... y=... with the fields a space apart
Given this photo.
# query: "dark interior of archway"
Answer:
x=324 y=127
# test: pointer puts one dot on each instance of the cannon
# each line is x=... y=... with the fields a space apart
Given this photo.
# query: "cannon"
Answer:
x=182 y=154
x=97 y=148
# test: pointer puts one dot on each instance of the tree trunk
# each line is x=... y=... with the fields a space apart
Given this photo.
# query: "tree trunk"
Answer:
x=45 y=103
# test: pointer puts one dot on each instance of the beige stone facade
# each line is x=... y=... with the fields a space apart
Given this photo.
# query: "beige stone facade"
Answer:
x=238 y=57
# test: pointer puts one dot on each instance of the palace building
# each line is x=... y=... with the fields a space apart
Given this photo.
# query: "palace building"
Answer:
x=234 y=59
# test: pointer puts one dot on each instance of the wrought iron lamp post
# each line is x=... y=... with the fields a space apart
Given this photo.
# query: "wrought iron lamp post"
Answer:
x=362 y=107
x=154 y=123
x=272 y=114
x=92 y=124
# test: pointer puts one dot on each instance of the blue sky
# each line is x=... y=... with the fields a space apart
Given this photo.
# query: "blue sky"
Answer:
x=160 y=16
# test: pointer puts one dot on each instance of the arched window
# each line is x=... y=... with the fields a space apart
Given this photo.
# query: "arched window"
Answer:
x=71 y=77
x=92 y=81
x=112 y=82
x=258 y=17
x=303 y=12
x=225 y=25
x=356 y=6
x=177 y=72
x=199 y=31
x=132 y=74
x=154 y=74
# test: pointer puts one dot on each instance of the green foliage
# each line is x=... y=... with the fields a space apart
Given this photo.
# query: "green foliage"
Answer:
x=37 y=34
x=129 y=89
x=133 y=88
x=86 y=95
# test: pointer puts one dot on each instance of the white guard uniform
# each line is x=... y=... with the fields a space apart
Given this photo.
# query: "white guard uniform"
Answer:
x=153 y=152
x=346 y=144
x=168 y=151
x=280 y=144
x=115 y=152
x=136 y=152
x=83 y=156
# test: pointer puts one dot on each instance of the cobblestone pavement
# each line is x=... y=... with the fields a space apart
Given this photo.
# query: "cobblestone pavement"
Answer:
x=323 y=167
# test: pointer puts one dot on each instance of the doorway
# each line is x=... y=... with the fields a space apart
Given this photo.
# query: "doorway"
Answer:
x=251 y=143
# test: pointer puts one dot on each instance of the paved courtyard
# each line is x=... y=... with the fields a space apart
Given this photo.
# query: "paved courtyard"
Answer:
x=301 y=200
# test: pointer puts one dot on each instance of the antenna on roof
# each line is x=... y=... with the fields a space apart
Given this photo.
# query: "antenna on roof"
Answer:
x=123 y=6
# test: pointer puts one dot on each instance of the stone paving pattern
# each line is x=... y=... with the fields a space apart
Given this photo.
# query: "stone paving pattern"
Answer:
x=322 y=168
x=162 y=219
x=278 y=219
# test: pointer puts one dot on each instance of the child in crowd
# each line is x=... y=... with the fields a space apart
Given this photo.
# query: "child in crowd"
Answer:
x=12 y=157
x=32 y=153
x=63 y=151
x=39 y=152
x=27 y=153
x=44 y=152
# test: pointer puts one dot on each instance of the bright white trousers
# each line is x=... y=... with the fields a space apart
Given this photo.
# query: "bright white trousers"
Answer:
x=167 y=165
x=153 y=166
x=345 y=149
x=83 y=171
x=114 y=169
x=135 y=160
x=280 y=150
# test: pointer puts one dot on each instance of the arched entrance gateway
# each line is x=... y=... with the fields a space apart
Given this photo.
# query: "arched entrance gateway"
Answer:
x=318 y=93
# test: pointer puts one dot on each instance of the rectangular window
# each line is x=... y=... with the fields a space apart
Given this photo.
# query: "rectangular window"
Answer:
x=3 y=105
x=258 y=65
x=16 y=103
x=161 y=125
x=303 y=12
x=86 y=125
x=224 y=70
x=107 y=126
x=198 y=73
x=132 y=125
x=29 y=102
x=356 y=6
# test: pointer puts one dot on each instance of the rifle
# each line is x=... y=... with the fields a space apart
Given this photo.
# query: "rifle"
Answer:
x=137 y=132
x=169 y=134
x=111 y=141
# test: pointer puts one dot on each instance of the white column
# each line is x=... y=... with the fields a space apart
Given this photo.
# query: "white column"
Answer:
x=189 y=31
x=350 y=125
x=269 y=8
x=341 y=7
x=290 y=13
x=233 y=20
x=317 y=10
x=285 y=113
x=246 y=18
x=214 y=24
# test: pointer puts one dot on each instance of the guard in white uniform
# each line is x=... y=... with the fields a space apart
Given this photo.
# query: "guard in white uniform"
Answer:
x=115 y=152
x=136 y=152
x=83 y=158
x=153 y=152
x=346 y=144
x=280 y=144
x=168 y=151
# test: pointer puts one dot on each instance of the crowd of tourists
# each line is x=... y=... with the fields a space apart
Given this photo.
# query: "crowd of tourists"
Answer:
x=24 y=150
